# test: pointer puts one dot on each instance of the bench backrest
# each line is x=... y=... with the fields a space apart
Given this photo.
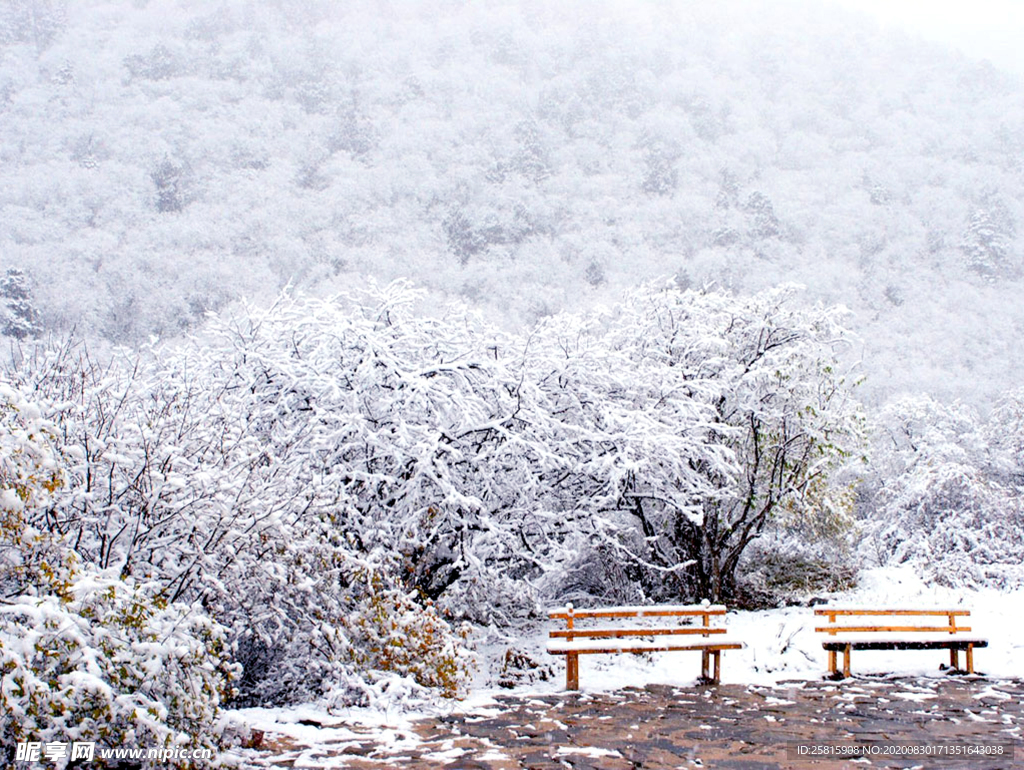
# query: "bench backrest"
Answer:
x=698 y=617
x=897 y=621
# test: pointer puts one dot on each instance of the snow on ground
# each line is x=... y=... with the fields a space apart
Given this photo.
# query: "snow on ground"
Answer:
x=782 y=649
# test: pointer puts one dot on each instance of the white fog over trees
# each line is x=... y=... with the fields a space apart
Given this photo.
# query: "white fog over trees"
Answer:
x=340 y=336
x=162 y=159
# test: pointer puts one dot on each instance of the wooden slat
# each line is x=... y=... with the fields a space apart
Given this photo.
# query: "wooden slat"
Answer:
x=638 y=650
x=651 y=613
x=883 y=629
x=827 y=611
x=905 y=644
x=604 y=633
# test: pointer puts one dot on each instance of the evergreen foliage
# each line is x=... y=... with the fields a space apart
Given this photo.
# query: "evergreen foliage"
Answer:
x=18 y=316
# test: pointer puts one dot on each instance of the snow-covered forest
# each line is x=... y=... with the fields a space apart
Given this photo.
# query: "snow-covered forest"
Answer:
x=161 y=159
x=342 y=336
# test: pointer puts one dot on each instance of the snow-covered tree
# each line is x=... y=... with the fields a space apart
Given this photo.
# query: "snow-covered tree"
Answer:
x=689 y=423
x=987 y=242
x=18 y=316
x=172 y=179
x=766 y=368
x=1004 y=433
x=942 y=495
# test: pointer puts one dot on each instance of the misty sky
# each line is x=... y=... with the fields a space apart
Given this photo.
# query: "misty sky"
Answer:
x=986 y=29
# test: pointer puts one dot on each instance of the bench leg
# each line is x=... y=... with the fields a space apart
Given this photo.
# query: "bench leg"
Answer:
x=970 y=659
x=717 y=654
x=954 y=659
x=705 y=665
x=846 y=661
x=572 y=671
x=833 y=669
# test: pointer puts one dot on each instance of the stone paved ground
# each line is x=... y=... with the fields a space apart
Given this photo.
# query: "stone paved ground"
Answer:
x=730 y=726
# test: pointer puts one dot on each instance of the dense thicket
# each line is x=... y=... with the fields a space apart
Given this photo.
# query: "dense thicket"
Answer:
x=341 y=484
x=162 y=158
x=87 y=654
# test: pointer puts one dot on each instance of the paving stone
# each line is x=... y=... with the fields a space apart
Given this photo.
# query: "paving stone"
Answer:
x=731 y=726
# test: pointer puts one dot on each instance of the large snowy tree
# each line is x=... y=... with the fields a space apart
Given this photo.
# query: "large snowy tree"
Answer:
x=765 y=369
x=686 y=424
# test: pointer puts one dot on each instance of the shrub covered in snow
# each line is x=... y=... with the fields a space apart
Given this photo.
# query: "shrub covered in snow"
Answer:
x=84 y=654
x=389 y=631
x=29 y=477
x=785 y=568
x=111 y=663
x=945 y=494
x=258 y=470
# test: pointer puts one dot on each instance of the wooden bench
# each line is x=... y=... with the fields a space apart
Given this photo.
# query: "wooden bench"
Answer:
x=575 y=640
x=899 y=633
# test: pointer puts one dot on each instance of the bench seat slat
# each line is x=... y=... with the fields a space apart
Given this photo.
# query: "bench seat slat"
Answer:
x=904 y=644
x=631 y=645
x=601 y=633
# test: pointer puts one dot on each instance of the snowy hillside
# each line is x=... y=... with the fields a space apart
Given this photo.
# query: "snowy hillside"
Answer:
x=161 y=158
